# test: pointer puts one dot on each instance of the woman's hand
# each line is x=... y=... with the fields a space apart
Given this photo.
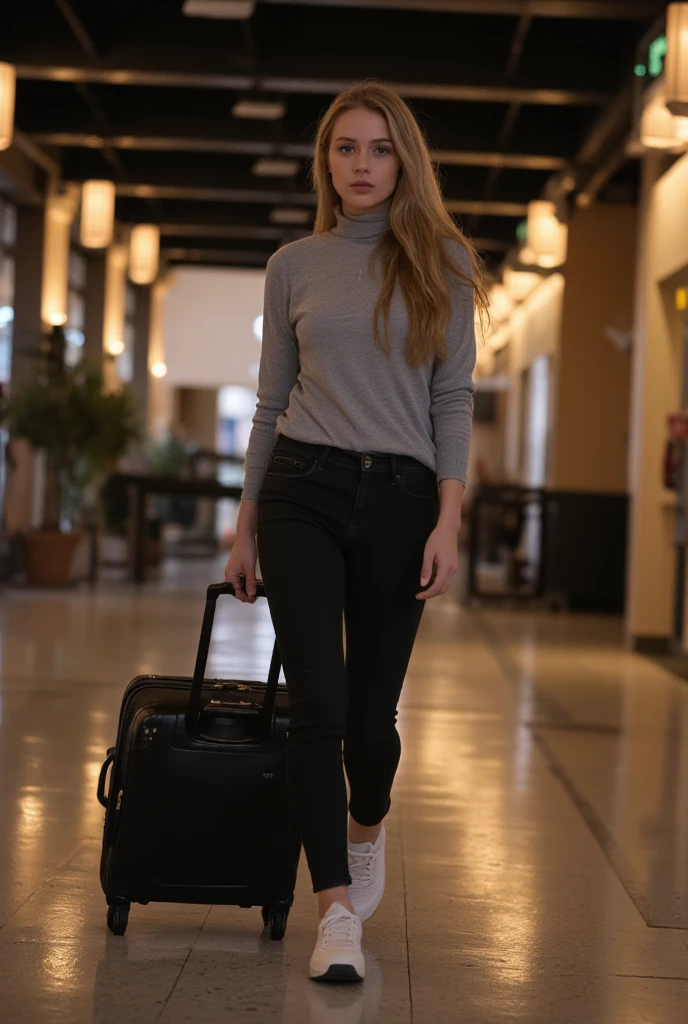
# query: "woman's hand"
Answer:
x=442 y=557
x=240 y=570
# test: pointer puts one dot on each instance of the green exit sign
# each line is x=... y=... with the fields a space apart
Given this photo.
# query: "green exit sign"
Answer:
x=653 y=64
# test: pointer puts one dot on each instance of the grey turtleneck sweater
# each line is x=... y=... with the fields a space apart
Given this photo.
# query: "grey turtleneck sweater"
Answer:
x=324 y=380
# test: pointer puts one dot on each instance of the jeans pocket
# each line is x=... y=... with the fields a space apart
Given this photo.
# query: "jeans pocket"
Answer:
x=294 y=467
x=420 y=484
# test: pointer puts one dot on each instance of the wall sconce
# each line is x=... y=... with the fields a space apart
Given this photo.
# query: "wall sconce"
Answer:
x=520 y=283
x=159 y=369
x=676 y=62
x=8 y=85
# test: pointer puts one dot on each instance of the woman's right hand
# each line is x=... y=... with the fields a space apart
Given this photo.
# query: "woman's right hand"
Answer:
x=240 y=570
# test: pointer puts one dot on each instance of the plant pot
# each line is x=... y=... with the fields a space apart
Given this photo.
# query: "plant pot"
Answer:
x=48 y=556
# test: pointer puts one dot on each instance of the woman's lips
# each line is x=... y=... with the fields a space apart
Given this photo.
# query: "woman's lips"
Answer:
x=362 y=188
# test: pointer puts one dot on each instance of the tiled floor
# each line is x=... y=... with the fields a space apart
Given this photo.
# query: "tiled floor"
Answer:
x=538 y=856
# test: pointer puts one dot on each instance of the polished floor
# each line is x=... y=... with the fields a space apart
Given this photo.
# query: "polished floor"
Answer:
x=538 y=855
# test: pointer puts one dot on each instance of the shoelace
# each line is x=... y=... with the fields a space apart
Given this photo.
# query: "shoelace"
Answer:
x=361 y=868
x=340 y=929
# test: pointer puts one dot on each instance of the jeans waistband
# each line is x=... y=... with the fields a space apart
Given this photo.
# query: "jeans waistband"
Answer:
x=372 y=462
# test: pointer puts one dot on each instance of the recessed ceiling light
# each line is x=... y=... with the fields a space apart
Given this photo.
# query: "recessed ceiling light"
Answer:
x=286 y=215
x=273 y=167
x=259 y=110
x=230 y=9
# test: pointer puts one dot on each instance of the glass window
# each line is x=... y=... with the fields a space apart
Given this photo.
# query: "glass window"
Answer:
x=6 y=293
x=8 y=223
x=76 y=308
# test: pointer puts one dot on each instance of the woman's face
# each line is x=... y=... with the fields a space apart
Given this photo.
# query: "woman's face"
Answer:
x=362 y=151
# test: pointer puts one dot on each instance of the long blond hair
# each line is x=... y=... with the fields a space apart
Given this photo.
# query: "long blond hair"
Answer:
x=412 y=252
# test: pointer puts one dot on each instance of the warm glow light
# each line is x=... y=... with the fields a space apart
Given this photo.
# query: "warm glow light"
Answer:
x=676 y=63
x=115 y=347
x=159 y=369
x=97 y=214
x=547 y=236
x=520 y=283
x=259 y=110
x=60 y=208
x=681 y=299
x=501 y=303
x=660 y=129
x=144 y=253
x=8 y=80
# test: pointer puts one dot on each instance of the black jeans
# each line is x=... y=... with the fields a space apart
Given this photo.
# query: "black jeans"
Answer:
x=343 y=533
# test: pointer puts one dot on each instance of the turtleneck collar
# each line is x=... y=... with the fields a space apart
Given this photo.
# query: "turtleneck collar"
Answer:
x=371 y=225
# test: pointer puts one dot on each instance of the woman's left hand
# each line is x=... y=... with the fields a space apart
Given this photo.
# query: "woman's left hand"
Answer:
x=442 y=555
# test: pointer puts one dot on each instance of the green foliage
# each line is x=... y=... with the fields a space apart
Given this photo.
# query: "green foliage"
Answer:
x=168 y=457
x=82 y=429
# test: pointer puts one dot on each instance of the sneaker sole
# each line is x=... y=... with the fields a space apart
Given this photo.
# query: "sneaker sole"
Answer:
x=339 y=973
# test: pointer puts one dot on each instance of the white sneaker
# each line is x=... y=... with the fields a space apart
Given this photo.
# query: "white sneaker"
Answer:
x=337 y=955
x=367 y=870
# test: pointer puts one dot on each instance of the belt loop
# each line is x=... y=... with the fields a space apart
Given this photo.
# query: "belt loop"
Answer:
x=323 y=457
x=393 y=464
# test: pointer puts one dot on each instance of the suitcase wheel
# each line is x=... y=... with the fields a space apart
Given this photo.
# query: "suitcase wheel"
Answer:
x=118 y=917
x=276 y=922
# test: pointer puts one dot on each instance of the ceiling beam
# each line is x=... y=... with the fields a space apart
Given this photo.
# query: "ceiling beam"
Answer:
x=455 y=157
x=219 y=256
x=78 y=28
x=194 y=193
x=236 y=231
x=236 y=195
x=317 y=86
x=480 y=208
x=622 y=10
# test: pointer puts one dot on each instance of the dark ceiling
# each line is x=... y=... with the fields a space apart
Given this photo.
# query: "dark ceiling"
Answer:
x=508 y=92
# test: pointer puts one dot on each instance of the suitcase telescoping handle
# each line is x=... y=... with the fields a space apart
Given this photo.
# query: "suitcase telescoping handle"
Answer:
x=193 y=711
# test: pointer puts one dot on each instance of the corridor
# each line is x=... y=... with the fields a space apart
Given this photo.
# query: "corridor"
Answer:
x=538 y=856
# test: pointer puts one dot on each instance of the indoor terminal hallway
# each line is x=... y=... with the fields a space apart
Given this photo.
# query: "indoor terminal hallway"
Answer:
x=538 y=855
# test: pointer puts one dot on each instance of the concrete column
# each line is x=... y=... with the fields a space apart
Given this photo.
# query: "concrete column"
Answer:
x=142 y=330
x=26 y=340
x=28 y=282
x=95 y=304
x=656 y=391
x=591 y=411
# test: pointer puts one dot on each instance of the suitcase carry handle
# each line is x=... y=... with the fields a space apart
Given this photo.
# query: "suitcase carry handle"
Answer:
x=194 y=708
x=102 y=798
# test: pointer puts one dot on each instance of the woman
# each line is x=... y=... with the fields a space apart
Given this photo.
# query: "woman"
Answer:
x=355 y=475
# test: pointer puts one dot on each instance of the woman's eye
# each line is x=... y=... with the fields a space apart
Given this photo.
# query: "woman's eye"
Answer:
x=382 y=149
x=342 y=148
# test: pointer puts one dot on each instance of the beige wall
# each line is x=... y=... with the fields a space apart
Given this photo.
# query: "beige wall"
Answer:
x=590 y=426
x=208 y=325
x=655 y=393
x=196 y=411
x=534 y=332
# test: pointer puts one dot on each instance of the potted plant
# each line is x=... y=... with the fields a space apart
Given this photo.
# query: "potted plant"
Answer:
x=82 y=430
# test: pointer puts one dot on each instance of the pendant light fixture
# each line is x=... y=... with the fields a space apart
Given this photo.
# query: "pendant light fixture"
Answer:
x=547 y=236
x=660 y=129
x=8 y=80
x=144 y=253
x=520 y=283
x=501 y=303
x=97 y=214
x=676 y=61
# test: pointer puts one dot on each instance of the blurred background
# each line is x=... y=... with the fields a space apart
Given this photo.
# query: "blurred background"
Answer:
x=154 y=156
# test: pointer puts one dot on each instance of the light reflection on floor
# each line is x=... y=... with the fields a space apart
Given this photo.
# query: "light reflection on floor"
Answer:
x=538 y=856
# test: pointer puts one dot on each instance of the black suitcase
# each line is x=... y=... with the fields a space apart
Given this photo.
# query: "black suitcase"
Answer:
x=197 y=809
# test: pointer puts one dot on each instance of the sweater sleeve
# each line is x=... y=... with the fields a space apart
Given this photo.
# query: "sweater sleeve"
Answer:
x=279 y=369
x=451 y=389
